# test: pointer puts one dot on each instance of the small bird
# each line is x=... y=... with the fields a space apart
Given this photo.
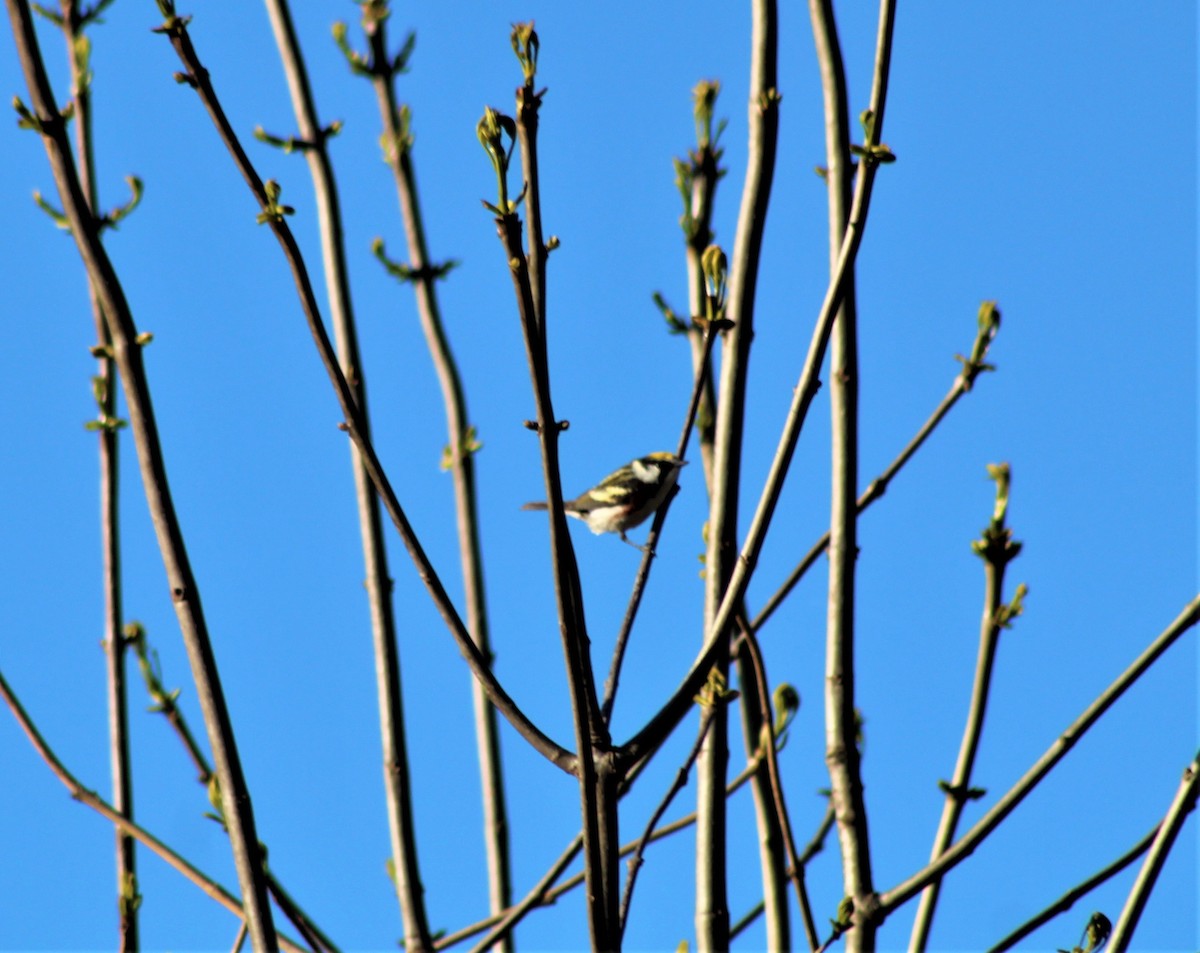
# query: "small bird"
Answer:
x=626 y=497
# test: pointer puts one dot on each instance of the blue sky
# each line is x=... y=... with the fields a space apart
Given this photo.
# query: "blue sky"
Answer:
x=1047 y=159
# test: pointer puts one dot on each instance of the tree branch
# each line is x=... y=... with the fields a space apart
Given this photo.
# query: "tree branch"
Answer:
x=1067 y=900
x=669 y=715
x=460 y=453
x=1181 y=806
x=273 y=215
x=973 y=366
x=210 y=887
x=105 y=389
x=184 y=589
x=712 y=905
x=997 y=548
x=965 y=845
x=378 y=579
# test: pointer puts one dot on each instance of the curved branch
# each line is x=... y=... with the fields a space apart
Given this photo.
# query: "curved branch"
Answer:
x=177 y=33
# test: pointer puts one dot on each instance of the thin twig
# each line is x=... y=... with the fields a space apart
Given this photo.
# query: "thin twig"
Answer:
x=973 y=366
x=968 y=842
x=273 y=214
x=669 y=715
x=1067 y=900
x=747 y=919
x=73 y=23
x=1181 y=806
x=643 y=573
x=459 y=458
x=526 y=46
x=84 y=795
x=181 y=581
x=540 y=895
x=378 y=579
x=164 y=703
x=703 y=172
x=997 y=548
x=817 y=843
x=748 y=645
x=677 y=785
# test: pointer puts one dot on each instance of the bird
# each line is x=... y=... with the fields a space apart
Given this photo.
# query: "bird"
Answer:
x=626 y=497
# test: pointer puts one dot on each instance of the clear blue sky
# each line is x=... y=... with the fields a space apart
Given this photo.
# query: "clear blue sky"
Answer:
x=1047 y=159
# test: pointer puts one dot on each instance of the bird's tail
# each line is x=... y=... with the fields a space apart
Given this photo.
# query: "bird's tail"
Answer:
x=535 y=506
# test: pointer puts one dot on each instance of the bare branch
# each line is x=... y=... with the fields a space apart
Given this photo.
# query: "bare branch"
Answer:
x=1182 y=805
x=73 y=22
x=747 y=647
x=966 y=844
x=86 y=796
x=973 y=366
x=164 y=703
x=997 y=548
x=806 y=388
x=643 y=574
x=378 y=584
x=677 y=785
x=1067 y=900
x=184 y=589
x=462 y=444
x=273 y=215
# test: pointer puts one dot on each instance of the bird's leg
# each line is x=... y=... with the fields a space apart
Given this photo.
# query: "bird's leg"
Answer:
x=626 y=539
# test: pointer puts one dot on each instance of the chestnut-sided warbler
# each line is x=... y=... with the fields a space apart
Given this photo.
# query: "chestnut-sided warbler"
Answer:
x=626 y=497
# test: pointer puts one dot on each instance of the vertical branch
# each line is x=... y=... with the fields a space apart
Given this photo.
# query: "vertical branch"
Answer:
x=759 y=738
x=594 y=768
x=383 y=69
x=185 y=593
x=842 y=754
x=712 y=910
x=526 y=45
x=697 y=181
x=73 y=22
x=401 y=825
x=841 y=720
x=274 y=215
x=997 y=548
x=676 y=707
x=599 y=781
